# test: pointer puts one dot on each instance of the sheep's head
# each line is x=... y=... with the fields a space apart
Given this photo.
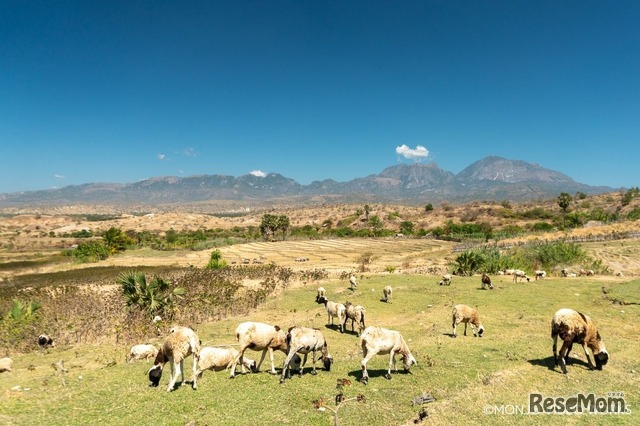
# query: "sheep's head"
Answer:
x=481 y=331
x=600 y=355
x=327 y=360
x=253 y=367
x=408 y=361
x=155 y=374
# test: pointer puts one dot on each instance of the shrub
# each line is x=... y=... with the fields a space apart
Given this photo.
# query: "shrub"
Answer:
x=216 y=261
x=91 y=251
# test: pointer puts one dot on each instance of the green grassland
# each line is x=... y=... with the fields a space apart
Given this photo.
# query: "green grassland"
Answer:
x=465 y=375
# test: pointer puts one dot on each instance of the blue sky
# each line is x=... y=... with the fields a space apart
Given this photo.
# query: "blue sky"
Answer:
x=120 y=91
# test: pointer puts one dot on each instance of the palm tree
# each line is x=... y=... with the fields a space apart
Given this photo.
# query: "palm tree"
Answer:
x=153 y=296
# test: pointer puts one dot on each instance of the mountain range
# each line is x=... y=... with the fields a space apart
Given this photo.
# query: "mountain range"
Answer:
x=492 y=178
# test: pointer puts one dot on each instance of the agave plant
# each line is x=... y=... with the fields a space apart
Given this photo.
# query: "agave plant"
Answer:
x=153 y=296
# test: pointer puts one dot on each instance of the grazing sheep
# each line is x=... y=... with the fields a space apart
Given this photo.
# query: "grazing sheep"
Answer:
x=572 y=275
x=508 y=271
x=381 y=341
x=467 y=315
x=446 y=279
x=5 y=364
x=574 y=327
x=587 y=272
x=304 y=340
x=619 y=274
x=334 y=310
x=521 y=275
x=352 y=282
x=486 y=282
x=44 y=340
x=564 y=272
x=387 y=292
x=355 y=313
x=321 y=292
x=540 y=274
x=258 y=336
x=218 y=359
x=138 y=352
x=178 y=345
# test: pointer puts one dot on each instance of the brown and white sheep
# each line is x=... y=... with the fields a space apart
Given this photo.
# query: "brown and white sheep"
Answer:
x=467 y=315
x=387 y=292
x=304 y=340
x=178 y=345
x=258 y=336
x=320 y=292
x=334 y=310
x=382 y=341
x=486 y=282
x=5 y=364
x=143 y=351
x=574 y=327
x=446 y=279
x=355 y=313
x=45 y=341
x=218 y=359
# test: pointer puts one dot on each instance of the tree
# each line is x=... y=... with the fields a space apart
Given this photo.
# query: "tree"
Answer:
x=115 y=240
x=428 y=207
x=564 y=201
x=216 y=261
x=268 y=226
x=283 y=225
x=406 y=227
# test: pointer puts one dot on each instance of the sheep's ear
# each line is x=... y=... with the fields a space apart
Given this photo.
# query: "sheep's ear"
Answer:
x=276 y=327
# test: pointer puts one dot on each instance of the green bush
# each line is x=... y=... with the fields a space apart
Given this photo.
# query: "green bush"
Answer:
x=91 y=251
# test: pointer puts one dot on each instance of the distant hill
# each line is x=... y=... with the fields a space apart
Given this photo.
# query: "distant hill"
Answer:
x=492 y=178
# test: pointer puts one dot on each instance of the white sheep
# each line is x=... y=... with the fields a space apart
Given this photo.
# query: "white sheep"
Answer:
x=382 y=341
x=5 y=364
x=467 y=315
x=446 y=279
x=353 y=282
x=486 y=282
x=574 y=327
x=258 y=336
x=143 y=351
x=218 y=359
x=356 y=314
x=178 y=345
x=539 y=274
x=334 y=310
x=387 y=292
x=304 y=340
x=587 y=272
x=518 y=273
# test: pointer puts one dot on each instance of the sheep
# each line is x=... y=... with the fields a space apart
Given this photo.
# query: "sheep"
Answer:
x=564 y=272
x=334 y=310
x=138 y=352
x=520 y=274
x=446 y=279
x=355 y=313
x=381 y=341
x=619 y=274
x=218 y=359
x=508 y=271
x=387 y=292
x=258 y=336
x=304 y=340
x=320 y=292
x=178 y=345
x=44 y=341
x=5 y=364
x=486 y=281
x=540 y=274
x=575 y=327
x=352 y=282
x=467 y=315
x=587 y=272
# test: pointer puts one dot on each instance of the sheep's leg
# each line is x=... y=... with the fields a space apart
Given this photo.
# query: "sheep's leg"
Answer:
x=304 y=361
x=366 y=357
x=195 y=368
x=392 y=361
x=264 y=353
x=563 y=352
x=238 y=358
x=473 y=328
x=555 y=348
x=454 y=327
x=273 y=367
x=313 y=357
x=591 y=366
x=286 y=368
x=175 y=372
x=465 y=328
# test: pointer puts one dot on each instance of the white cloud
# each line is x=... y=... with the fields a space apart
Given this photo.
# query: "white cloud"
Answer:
x=189 y=152
x=57 y=176
x=258 y=173
x=161 y=157
x=417 y=154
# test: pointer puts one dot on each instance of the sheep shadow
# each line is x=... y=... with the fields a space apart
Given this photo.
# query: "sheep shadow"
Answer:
x=335 y=327
x=357 y=374
x=550 y=363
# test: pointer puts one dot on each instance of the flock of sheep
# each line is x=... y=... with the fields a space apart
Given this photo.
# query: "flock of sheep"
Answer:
x=569 y=325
